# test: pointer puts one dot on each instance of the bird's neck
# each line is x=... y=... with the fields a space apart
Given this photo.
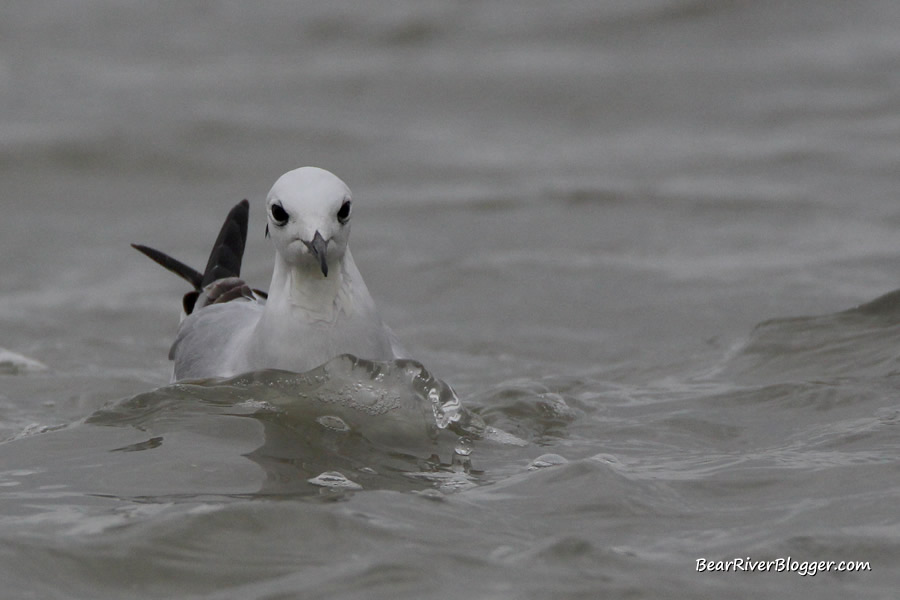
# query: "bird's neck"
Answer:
x=304 y=288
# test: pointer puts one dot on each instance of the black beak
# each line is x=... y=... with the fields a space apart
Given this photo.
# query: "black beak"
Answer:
x=317 y=247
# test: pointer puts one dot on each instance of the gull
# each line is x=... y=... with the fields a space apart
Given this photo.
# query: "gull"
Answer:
x=317 y=306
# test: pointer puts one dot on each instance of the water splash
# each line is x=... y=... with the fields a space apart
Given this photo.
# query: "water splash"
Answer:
x=377 y=421
x=390 y=400
x=397 y=403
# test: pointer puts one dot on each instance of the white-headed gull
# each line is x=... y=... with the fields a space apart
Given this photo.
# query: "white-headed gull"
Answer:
x=317 y=307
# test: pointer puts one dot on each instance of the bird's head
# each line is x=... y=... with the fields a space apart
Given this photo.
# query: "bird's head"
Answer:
x=308 y=218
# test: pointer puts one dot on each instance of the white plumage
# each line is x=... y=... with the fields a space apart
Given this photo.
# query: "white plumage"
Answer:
x=318 y=305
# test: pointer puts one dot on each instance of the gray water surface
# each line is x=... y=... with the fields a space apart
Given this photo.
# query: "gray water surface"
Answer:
x=632 y=236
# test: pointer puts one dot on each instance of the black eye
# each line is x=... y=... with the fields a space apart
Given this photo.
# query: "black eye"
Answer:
x=343 y=215
x=279 y=215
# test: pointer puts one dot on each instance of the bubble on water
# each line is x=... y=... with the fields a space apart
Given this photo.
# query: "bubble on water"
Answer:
x=462 y=456
x=333 y=423
x=253 y=404
x=335 y=481
x=463 y=447
x=547 y=460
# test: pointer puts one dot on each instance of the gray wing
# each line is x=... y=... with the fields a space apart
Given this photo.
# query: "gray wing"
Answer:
x=214 y=340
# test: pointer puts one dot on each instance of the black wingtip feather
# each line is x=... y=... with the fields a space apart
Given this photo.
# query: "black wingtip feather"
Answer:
x=190 y=275
x=228 y=251
x=224 y=260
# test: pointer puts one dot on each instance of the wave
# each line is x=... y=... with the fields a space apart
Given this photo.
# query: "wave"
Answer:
x=13 y=363
x=349 y=424
x=859 y=342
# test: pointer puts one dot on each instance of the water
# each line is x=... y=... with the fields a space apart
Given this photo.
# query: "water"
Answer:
x=630 y=235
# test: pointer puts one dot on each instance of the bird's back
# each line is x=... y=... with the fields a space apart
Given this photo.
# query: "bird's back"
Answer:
x=212 y=341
